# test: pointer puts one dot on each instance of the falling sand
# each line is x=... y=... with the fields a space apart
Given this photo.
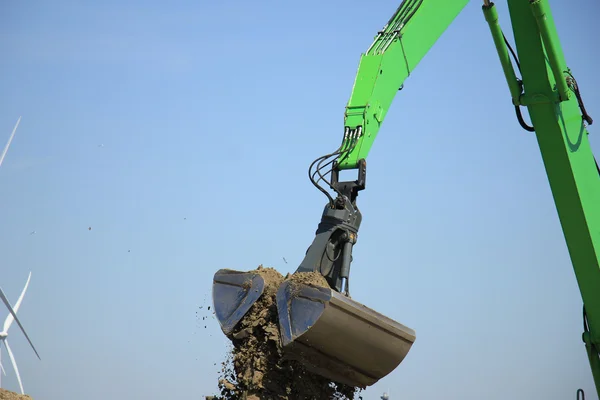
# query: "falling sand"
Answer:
x=256 y=368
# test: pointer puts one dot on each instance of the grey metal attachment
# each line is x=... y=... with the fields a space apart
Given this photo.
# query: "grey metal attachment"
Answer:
x=313 y=319
x=330 y=253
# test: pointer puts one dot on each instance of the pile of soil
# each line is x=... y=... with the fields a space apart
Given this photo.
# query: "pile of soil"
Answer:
x=8 y=395
x=256 y=369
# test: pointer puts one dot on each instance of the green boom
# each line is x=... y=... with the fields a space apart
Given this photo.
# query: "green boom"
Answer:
x=396 y=51
x=546 y=88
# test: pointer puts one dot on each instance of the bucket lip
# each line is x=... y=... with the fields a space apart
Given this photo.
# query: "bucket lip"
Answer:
x=251 y=284
x=330 y=298
x=312 y=351
x=289 y=290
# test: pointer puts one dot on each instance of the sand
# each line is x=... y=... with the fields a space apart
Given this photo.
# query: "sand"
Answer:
x=256 y=368
x=308 y=278
x=8 y=395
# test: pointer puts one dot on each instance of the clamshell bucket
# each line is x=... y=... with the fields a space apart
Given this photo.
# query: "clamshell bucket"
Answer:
x=337 y=337
x=234 y=293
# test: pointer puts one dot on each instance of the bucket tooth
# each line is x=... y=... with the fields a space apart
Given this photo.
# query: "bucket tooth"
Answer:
x=337 y=337
x=234 y=292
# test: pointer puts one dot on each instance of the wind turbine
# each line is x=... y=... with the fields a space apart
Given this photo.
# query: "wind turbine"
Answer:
x=12 y=316
x=12 y=135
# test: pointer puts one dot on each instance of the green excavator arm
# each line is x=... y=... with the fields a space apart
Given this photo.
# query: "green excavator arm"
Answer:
x=547 y=89
x=395 y=52
x=322 y=326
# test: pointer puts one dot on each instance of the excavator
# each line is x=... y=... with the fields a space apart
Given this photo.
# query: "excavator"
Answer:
x=341 y=339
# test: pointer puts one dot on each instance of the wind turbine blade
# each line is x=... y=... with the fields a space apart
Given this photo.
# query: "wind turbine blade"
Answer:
x=14 y=363
x=12 y=135
x=5 y=300
x=9 y=319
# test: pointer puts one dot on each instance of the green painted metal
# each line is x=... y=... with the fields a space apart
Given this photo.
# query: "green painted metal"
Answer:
x=547 y=31
x=546 y=91
x=563 y=141
x=491 y=16
x=396 y=51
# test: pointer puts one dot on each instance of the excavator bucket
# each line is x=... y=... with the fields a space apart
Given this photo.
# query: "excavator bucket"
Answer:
x=234 y=292
x=331 y=334
x=337 y=337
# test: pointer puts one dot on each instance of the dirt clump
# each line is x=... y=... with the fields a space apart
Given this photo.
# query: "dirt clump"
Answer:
x=308 y=278
x=8 y=395
x=256 y=368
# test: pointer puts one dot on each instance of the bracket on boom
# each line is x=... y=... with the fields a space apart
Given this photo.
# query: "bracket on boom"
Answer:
x=350 y=189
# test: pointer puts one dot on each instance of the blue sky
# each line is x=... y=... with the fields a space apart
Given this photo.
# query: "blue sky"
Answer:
x=209 y=114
